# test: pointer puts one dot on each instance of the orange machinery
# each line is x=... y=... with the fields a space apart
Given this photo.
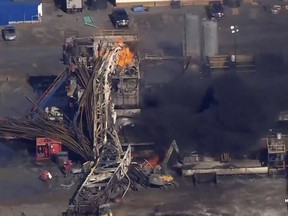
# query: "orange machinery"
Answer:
x=46 y=148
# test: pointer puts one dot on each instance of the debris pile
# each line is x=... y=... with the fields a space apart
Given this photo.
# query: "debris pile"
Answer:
x=92 y=132
x=41 y=126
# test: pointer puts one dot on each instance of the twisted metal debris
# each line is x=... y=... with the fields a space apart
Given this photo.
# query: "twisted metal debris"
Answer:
x=92 y=134
x=111 y=163
x=41 y=126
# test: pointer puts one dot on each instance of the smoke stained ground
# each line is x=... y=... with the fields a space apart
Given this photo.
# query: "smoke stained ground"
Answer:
x=226 y=113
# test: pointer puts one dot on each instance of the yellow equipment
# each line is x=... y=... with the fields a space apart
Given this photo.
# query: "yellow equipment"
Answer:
x=162 y=181
x=160 y=176
x=167 y=178
x=105 y=210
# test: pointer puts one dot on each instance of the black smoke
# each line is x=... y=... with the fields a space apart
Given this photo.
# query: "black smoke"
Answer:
x=228 y=113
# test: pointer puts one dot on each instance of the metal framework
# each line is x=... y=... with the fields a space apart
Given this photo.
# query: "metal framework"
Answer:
x=95 y=64
x=276 y=152
x=108 y=177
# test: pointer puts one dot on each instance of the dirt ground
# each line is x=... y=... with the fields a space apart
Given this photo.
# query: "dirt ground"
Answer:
x=235 y=196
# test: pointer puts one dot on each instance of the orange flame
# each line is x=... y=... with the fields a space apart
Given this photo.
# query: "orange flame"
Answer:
x=125 y=56
x=154 y=160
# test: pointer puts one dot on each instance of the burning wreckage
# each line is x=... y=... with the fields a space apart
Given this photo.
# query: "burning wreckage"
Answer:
x=103 y=95
x=104 y=79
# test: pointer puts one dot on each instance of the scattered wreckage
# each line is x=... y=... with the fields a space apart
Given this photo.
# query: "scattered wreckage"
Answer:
x=104 y=79
x=103 y=94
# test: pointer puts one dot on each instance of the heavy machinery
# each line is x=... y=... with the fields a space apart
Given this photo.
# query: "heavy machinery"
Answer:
x=47 y=148
x=162 y=181
x=160 y=176
x=108 y=72
x=104 y=76
x=105 y=210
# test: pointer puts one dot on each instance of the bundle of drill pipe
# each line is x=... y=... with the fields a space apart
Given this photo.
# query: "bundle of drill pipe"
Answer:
x=41 y=126
x=72 y=137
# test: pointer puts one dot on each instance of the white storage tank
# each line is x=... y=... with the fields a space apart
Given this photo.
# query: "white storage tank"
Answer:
x=192 y=37
x=210 y=31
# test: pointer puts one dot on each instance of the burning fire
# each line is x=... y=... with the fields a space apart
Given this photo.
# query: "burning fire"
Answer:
x=154 y=160
x=151 y=158
x=125 y=57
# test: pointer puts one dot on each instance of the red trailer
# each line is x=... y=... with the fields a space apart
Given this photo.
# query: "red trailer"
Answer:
x=46 y=148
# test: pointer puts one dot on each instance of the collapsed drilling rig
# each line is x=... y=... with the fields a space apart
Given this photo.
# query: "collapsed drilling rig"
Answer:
x=104 y=78
x=80 y=54
x=114 y=86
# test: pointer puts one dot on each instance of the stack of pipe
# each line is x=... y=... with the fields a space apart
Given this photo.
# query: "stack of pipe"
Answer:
x=41 y=126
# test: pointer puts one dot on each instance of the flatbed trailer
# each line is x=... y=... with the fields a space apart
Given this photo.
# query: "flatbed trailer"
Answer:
x=237 y=167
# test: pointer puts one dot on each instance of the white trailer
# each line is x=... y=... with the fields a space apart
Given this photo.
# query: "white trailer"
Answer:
x=73 y=6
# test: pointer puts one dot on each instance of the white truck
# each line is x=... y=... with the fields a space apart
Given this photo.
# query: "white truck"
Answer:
x=73 y=6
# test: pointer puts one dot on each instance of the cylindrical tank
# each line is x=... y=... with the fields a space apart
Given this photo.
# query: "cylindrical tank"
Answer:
x=210 y=30
x=192 y=36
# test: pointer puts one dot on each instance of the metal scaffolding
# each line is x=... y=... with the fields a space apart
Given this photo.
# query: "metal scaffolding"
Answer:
x=108 y=177
x=276 y=153
x=104 y=78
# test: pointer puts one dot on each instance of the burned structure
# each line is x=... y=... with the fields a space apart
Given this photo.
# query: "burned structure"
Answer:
x=103 y=86
x=114 y=91
x=80 y=55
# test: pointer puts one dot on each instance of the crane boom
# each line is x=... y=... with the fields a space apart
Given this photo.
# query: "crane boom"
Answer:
x=173 y=147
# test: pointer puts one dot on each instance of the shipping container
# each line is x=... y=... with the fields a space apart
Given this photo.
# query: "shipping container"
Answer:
x=20 y=12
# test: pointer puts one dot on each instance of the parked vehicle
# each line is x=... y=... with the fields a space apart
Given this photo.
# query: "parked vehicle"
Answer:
x=74 y=6
x=215 y=10
x=9 y=33
x=119 y=18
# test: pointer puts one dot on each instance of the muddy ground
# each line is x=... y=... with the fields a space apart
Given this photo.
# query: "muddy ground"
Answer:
x=37 y=52
x=240 y=196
